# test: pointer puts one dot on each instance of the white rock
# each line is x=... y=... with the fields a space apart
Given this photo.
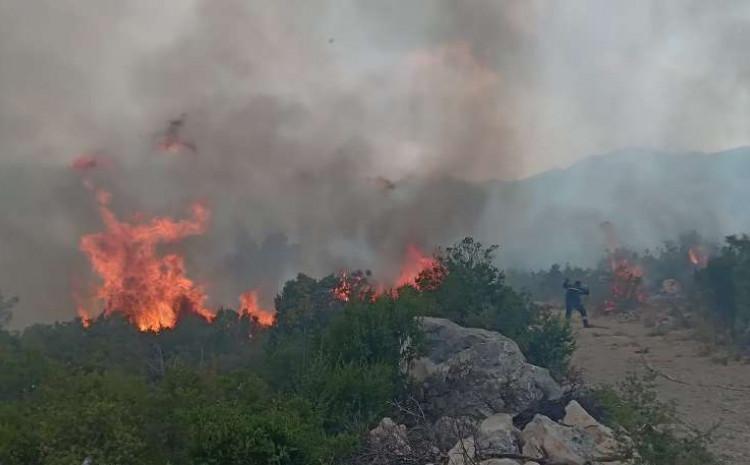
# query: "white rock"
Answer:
x=475 y=372
x=543 y=437
x=497 y=435
x=604 y=438
x=390 y=437
x=499 y=462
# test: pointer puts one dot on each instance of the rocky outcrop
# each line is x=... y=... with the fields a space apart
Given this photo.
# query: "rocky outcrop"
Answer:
x=580 y=419
x=544 y=438
x=475 y=383
x=577 y=440
x=389 y=439
x=496 y=435
x=475 y=372
x=448 y=430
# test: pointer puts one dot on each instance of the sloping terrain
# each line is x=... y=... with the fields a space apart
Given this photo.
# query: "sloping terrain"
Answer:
x=708 y=392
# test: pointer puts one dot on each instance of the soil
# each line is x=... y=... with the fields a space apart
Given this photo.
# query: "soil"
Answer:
x=710 y=391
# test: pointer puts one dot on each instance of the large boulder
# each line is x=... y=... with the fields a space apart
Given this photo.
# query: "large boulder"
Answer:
x=602 y=436
x=495 y=436
x=545 y=438
x=475 y=372
x=577 y=440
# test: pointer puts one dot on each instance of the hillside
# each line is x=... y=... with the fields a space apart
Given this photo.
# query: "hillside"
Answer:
x=648 y=195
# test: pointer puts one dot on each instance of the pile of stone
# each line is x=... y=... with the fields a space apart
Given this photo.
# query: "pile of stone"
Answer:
x=472 y=383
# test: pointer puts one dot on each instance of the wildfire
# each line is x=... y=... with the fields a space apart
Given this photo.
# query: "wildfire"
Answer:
x=414 y=263
x=249 y=306
x=357 y=284
x=174 y=145
x=697 y=256
x=85 y=162
x=152 y=291
x=626 y=289
x=85 y=320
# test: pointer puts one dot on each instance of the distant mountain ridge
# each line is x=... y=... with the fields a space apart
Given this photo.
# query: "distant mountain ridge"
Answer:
x=649 y=195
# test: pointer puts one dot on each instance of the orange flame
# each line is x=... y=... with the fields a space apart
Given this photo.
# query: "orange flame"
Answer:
x=85 y=163
x=85 y=320
x=172 y=144
x=249 y=306
x=627 y=284
x=355 y=284
x=697 y=257
x=626 y=288
x=414 y=263
x=152 y=291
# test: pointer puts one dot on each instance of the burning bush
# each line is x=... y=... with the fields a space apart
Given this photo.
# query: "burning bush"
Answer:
x=624 y=280
x=297 y=392
x=465 y=286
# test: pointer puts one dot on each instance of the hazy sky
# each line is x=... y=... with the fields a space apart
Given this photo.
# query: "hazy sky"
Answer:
x=487 y=89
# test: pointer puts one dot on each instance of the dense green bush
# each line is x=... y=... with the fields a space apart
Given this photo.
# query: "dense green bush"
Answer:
x=346 y=362
x=467 y=287
x=725 y=287
x=550 y=344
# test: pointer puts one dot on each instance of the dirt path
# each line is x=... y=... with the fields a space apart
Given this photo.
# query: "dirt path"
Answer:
x=706 y=392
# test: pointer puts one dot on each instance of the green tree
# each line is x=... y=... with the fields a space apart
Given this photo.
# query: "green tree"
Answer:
x=465 y=286
x=725 y=287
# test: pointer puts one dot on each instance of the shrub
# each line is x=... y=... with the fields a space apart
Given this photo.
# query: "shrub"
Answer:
x=466 y=287
x=725 y=288
x=657 y=437
x=349 y=367
x=550 y=343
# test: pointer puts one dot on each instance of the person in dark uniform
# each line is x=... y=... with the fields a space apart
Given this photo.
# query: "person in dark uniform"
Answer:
x=573 y=300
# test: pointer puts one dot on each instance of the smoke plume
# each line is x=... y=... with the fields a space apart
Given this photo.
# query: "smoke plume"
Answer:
x=332 y=134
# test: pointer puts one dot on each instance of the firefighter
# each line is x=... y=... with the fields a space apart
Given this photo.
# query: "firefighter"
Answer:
x=573 y=300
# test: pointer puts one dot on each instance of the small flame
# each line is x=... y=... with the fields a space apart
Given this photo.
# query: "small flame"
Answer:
x=626 y=288
x=414 y=263
x=356 y=285
x=172 y=144
x=697 y=257
x=152 y=291
x=627 y=284
x=249 y=306
x=85 y=162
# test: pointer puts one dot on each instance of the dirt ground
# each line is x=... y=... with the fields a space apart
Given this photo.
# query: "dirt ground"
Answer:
x=706 y=390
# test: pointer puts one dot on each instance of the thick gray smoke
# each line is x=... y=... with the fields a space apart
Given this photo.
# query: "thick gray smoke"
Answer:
x=332 y=133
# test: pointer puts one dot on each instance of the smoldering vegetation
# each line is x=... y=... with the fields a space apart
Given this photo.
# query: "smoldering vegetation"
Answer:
x=332 y=134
